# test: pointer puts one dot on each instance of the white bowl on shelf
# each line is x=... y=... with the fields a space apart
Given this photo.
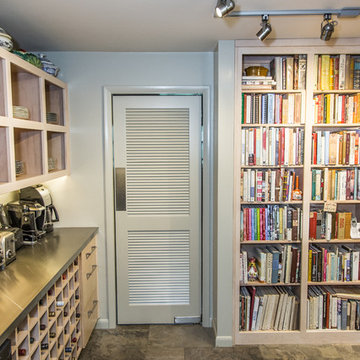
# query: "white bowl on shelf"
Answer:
x=5 y=40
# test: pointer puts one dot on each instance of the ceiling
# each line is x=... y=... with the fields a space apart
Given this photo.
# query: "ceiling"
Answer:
x=154 y=25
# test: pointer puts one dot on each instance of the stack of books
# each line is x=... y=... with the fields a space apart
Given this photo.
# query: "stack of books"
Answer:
x=337 y=72
x=289 y=72
x=271 y=222
x=268 y=308
x=267 y=185
x=275 y=264
x=271 y=108
x=335 y=148
x=336 y=109
x=333 y=307
x=333 y=263
x=272 y=146
x=326 y=225
x=257 y=83
x=331 y=184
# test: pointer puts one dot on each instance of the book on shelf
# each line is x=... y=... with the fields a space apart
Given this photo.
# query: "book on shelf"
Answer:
x=333 y=307
x=268 y=308
x=333 y=263
x=275 y=264
x=333 y=184
x=337 y=72
x=267 y=185
x=326 y=225
x=271 y=108
x=289 y=72
x=335 y=147
x=336 y=108
x=272 y=146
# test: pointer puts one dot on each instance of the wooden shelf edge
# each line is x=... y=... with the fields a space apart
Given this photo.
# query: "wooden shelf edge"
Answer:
x=333 y=283
x=334 y=241
x=268 y=242
x=296 y=125
x=322 y=125
x=257 y=283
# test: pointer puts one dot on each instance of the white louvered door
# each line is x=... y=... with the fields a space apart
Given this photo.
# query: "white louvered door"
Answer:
x=157 y=158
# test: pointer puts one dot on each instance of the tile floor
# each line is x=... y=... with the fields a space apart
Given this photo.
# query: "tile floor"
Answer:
x=192 y=342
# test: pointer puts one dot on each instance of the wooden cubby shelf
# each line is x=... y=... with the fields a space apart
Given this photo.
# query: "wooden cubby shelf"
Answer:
x=308 y=105
x=34 y=125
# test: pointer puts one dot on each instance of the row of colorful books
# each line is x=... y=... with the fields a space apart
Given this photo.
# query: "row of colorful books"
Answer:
x=337 y=72
x=268 y=308
x=333 y=307
x=271 y=108
x=268 y=185
x=336 y=109
x=275 y=264
x=271 y=222
x=272 y=146
x=333 y=263
x=335 y=147
x=289 y=72
x=327 y=225
x=330 y=184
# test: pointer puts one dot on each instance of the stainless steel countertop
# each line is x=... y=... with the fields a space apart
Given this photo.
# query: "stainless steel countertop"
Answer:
x=36 y=268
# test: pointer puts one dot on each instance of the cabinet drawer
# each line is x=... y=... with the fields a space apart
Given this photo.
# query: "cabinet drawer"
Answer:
x=89 y=317
x=89 y=283
x=89 y=256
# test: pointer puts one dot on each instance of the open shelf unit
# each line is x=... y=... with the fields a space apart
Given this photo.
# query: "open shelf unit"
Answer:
x=252 y=172
x=34 y=125
x=52 y=329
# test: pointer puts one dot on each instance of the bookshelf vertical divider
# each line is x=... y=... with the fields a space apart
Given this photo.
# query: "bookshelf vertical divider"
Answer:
x=244 y=49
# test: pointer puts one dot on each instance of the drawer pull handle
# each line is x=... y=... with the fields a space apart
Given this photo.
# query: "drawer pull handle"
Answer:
x=95 y=302
x=93 y=248
x=90 y=273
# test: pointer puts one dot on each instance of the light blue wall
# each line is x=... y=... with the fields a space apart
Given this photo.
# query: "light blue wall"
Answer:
x=80 y=197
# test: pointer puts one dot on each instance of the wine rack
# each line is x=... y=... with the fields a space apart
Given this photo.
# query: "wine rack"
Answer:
x=52 y=329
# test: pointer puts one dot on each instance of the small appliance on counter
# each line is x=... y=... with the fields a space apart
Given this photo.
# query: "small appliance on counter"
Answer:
x=5 y=225
x=7 y=248
x=41 y=195
x=29 y=217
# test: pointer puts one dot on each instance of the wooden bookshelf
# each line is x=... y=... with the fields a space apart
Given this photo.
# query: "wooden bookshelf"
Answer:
x=34 y=125
x=248 y=54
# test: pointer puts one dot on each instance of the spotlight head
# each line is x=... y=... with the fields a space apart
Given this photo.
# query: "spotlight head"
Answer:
x=327 y=27
x=265 y=30
x=223 y=7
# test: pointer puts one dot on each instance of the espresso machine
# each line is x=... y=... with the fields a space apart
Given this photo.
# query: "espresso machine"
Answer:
x=29 y=217
x=41 y=195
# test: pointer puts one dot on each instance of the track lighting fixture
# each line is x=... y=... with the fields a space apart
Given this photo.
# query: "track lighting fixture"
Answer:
x=327 y=27
x=223 y=7
x=265 y=30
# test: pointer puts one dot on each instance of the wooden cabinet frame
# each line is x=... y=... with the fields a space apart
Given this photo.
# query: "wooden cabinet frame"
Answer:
x=40 y=143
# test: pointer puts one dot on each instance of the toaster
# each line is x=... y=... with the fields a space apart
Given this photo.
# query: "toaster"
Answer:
x=7 y=248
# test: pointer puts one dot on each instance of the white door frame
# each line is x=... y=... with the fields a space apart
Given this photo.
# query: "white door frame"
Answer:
x=207 y=184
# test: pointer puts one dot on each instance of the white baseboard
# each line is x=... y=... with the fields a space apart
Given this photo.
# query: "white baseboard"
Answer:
x=223 y=341
x=102 y=324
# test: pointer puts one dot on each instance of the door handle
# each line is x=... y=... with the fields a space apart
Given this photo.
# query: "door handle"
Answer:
x=120 y=189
